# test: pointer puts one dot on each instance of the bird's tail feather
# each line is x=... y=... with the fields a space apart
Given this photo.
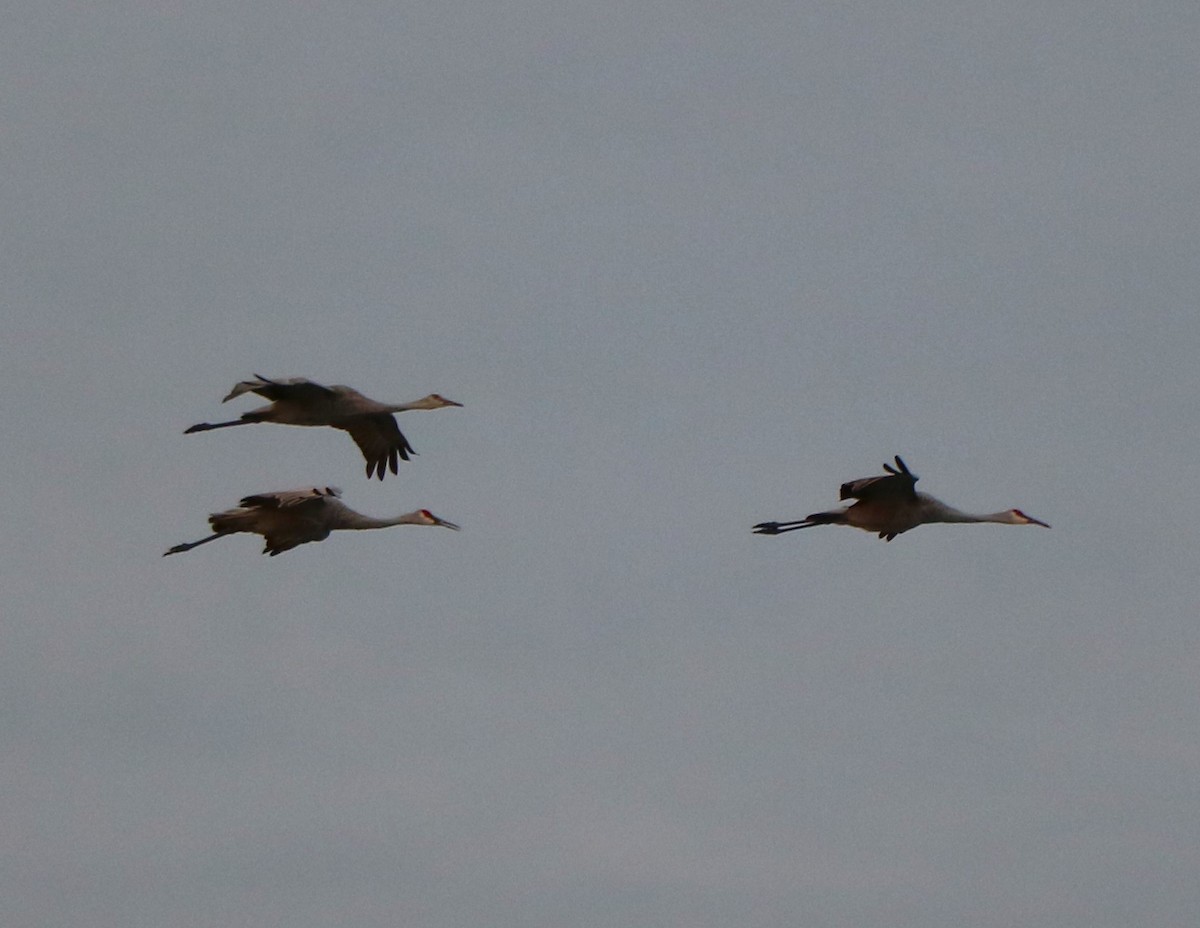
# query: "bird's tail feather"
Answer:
x=232 y=520
x=247 y=386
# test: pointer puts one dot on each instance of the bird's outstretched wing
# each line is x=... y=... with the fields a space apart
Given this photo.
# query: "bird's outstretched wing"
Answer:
x=290 y=499
x=898 y=483
x=380 y=440
x=298 y=389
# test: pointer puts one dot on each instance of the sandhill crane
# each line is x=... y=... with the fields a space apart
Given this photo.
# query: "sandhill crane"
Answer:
x=287 y=518
x=890 y=505
x=303 y=402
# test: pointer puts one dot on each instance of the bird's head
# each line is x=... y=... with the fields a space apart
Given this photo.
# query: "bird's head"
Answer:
x=428 y=518
x=436 y=401
x=1019 y=518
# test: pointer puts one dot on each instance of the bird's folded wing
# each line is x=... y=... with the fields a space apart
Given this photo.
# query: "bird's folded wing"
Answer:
x=885 y=486
x=280 y=499
x=898 y=483
x=298 y=389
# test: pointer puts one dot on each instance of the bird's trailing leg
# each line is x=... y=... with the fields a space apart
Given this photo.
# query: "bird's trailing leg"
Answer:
x=778 y=528
x=187 y=546
x=206 y=426
x=838 y=517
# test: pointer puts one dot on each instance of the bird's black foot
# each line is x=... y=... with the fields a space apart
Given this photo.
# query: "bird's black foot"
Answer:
x=778 y=528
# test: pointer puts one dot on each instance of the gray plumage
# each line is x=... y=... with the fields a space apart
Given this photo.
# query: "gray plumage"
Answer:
x=287 y=518
x=890 y=505
x=303 y=402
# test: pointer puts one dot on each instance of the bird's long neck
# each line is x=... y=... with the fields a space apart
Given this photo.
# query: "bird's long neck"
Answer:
x=940 y=512
x=357 y=520
x=405 y=407
x=955 y=516
x=361 y=521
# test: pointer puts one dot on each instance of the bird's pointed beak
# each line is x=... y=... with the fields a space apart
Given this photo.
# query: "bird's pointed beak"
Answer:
x=451 y=402
x=1033 y=521
x=445 y=524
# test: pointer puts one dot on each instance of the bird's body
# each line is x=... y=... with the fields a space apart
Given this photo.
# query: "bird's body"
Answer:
x=303 y=402
x=287 y=518
x=890 y=505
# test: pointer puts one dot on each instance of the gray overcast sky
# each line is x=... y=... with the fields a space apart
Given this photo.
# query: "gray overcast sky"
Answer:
x=688 y=266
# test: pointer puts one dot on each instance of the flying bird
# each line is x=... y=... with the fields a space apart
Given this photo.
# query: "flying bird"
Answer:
x=303 y=402
x=287 y=518
x=890 y=505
